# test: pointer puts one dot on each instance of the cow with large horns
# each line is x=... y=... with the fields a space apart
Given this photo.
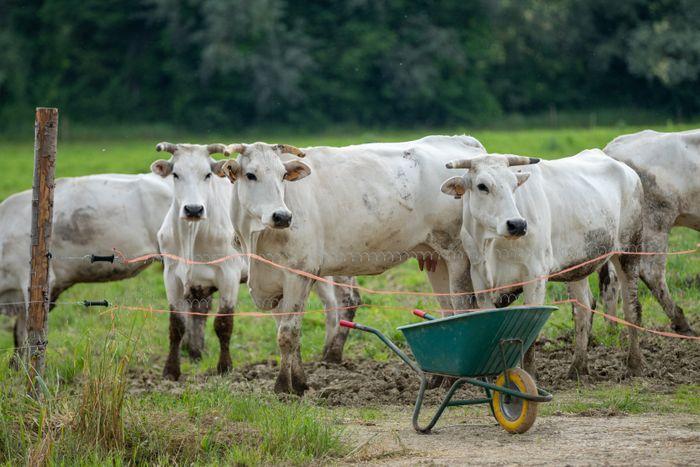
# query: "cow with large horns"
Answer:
x=527 y=221
x=351 y=210
x=198 y=227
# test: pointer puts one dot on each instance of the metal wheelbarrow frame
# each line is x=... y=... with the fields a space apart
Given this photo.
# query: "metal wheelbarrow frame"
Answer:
x=472 y=347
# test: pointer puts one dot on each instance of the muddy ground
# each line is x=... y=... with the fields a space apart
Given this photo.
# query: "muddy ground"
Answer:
x=366 y=382
x=469 y=436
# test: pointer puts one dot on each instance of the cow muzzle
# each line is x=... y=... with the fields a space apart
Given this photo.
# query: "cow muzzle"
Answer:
x=193 y=212
x=516 y=227
x=281 y=219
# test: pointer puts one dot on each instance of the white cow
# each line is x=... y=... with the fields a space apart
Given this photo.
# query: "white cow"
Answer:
x=669 y=166
x=543 y=219
x=198 y=227
x=353 y=210
x=92 y=215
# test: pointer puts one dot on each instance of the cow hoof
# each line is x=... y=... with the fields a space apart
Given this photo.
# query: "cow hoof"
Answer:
x=635 y=366
x=282 y=385
x=171 y=374
x=333 y=357
x=435 y=381
x=15 y=363
x=577 y=370
x=299 y=387
x=195 y=355
x=223 y=367
x=685 y=330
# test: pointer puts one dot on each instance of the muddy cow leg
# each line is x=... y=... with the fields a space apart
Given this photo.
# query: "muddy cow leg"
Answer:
x=291 y=378
x=627 y=268
x=440 y=282
x=653 y=273
x=348 y=300
x=326 y=293
x=223 y=325
x=19 y=355
x=534 y=294
x=177 y=331
x=609 y=290
x=199 y=302
x=582 y=324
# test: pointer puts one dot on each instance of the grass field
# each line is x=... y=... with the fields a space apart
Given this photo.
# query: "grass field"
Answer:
x=89 y=418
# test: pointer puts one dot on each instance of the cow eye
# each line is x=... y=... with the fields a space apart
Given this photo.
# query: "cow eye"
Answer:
x=483 y=188
x=251 y=177
x=207 y=176
x=175 y=176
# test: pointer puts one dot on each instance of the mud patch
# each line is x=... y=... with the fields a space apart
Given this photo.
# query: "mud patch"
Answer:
x=370 y=383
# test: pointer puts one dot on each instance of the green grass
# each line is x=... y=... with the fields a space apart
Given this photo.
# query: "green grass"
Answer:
x=616 y=399
x=199 y=424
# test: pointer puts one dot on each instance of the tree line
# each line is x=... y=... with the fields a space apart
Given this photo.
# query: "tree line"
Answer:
x=365 y=62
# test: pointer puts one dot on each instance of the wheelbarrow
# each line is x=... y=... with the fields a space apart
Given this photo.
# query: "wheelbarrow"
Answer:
x=483 y=349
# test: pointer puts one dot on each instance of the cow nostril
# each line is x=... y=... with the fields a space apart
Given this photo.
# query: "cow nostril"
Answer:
x=516 y=226
x=281 y=218
x=194 y=210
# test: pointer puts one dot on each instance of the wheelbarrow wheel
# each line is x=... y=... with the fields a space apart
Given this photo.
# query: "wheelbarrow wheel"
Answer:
x=515 y=415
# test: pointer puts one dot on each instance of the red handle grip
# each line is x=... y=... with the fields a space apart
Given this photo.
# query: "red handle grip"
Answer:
x=347 y=324
x=419 y=313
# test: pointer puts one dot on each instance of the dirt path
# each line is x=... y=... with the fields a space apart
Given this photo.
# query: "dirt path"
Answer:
x=556 y=440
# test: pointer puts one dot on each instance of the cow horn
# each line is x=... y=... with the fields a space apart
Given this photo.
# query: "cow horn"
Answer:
x=459 y=164
x=167 y=147
x=217 y=148
x=286 y=148
x=237 y=148
x=520 y=160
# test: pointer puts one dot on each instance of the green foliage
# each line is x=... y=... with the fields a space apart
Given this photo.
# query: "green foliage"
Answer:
x=237 y=63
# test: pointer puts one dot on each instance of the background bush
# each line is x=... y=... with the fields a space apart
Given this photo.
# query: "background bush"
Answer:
x=242 y=63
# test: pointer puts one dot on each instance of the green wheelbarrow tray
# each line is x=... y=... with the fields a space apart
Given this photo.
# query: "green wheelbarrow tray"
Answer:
x=473 y=347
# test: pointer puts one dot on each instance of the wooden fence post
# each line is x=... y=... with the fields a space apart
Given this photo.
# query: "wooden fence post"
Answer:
x=45 y=143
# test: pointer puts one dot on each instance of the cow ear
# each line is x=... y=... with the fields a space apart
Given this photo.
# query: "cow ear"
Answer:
x=296 y=170
x=162 y=167
x=455 y=186
x=218 y=167
x=231 y=169
x=522 y=177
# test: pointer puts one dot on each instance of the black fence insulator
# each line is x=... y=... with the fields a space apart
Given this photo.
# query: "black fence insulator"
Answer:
x=89 y=303
x=106 y=259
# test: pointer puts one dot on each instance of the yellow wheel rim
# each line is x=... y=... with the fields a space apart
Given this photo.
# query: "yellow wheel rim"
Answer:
x=515 y=415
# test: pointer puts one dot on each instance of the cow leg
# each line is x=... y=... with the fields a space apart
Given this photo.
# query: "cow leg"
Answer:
x=579 y=291
x=229 y=284
x=177 y=331
x=223 y=326
x=534 y=294
x=333 y=297
x=193 y=341
x=459 y=273
x=440 y=282
x=291 y=378
x=653 y=273
x=19 y=355
x=609 y=290
x=178 y=324
x=627 y=268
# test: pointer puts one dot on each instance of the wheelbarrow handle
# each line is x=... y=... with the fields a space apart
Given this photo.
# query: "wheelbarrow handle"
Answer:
x=353 y=325
x=361 y=327
x=423 y=314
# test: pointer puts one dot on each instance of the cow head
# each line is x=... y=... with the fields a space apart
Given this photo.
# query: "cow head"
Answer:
x=192 y=169
x=259 y=175
x=488 y=189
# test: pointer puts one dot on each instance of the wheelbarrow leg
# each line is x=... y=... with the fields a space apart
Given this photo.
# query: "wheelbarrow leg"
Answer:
x=419 y=403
